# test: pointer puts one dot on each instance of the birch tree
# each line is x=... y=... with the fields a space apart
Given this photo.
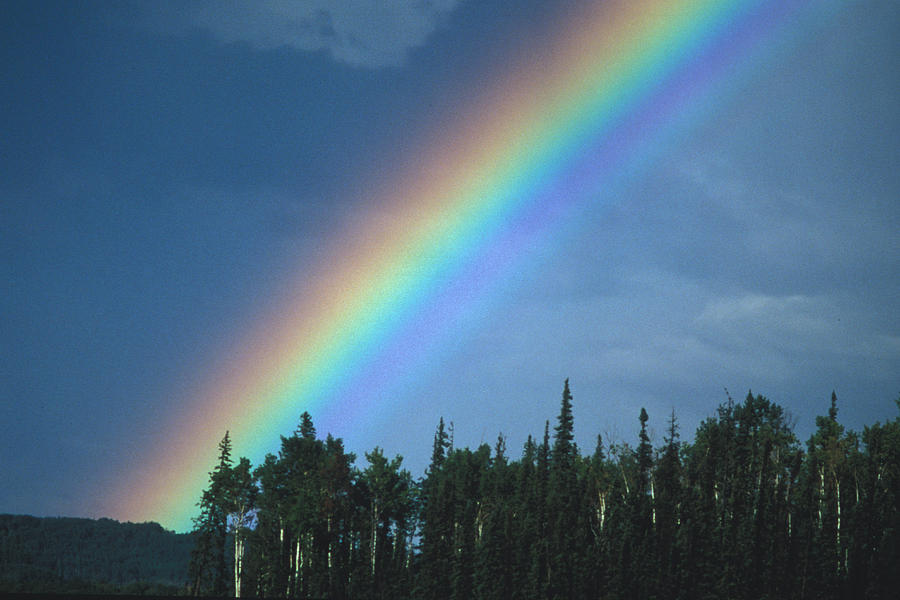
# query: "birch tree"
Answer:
x=242 y=503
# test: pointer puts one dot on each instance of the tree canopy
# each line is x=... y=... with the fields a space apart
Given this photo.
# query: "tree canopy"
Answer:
x=743 y=511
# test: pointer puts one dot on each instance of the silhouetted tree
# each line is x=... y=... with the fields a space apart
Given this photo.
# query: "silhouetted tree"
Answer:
x=739 y=512
x=207 y=569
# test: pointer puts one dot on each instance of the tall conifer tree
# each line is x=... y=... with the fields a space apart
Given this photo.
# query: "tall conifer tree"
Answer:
x=437 y=526
x=666 y=506
x=207 y=569
x=562 y=497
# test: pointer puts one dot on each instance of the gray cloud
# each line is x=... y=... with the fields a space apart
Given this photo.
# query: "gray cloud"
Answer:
x=361 y=33
x=822 y=230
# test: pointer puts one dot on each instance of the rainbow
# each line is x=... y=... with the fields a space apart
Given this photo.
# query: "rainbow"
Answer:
x=617 y=83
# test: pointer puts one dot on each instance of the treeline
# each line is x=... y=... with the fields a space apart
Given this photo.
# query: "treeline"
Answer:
x=742 y=512
x=80 y=556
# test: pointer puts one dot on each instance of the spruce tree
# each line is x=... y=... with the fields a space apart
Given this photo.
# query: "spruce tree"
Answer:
x=270 y=549
x=301 y=461
x=389 y=505
x=526 y=527
x=564 y=449
x=879 y=527
x=641 y=534
x=436 y=550
x=666 y=505
x=495 y=555
x=562 y=497
x=306 y=429
x=466 y=469
x=338 y=510
x=596 y=498
x=207 y=569
x=827 y=455
x=540 y=550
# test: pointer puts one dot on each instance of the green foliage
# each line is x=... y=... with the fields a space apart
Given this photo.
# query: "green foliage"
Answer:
x=743 y=511
x=208 y=567
x=563 y=495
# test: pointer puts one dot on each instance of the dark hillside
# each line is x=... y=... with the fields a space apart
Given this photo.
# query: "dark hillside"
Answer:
x=48 y=552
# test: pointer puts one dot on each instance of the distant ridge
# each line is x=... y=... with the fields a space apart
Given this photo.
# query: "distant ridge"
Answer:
x=77 y=555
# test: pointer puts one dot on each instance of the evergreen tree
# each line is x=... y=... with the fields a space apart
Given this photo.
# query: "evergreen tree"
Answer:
x=878 y=529
x=595 y=496
x=270 y=544
x=388 y=488
x=466 y=469
x=564 y=449
x=666 y=509
x=495 y=556
x=526 y=524
x=562 y=504
x=697 y=534
x=301 y=459
x=540 y=550
x=207 y=569
x=437 y=524
x=306 y=430
x=827 y=471
x=641 y=508
x=338 y=480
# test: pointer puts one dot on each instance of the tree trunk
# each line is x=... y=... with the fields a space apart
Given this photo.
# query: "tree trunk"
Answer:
x=238 y=562
x=821 y=493
x=374 y=544
x=602 y=509
x=329 y=543
x=298 y=557
x=837 y=529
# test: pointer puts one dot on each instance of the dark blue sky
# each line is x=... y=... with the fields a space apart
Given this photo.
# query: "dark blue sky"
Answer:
x=167 y=167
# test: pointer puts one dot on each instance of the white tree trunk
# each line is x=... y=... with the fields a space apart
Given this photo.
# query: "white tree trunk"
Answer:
x=329 y=543
x=297 y=562
x=374 y=534
x=287 y=591
x=837 y=496
x=479 y=522
x=602 y=510
x=239 y=518
x=821 y=493
x=238 y=562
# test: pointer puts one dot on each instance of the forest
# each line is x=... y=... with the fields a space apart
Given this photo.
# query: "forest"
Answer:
x=744 y=511
x=85 y=556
